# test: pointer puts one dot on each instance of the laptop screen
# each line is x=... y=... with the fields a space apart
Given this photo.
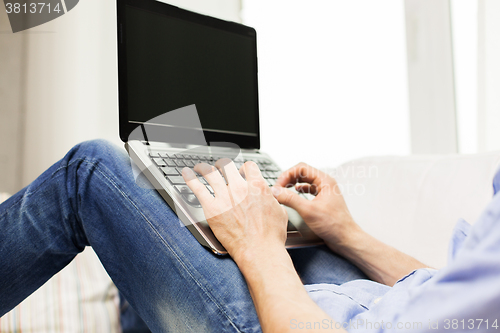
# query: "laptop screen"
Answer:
x=171 y=58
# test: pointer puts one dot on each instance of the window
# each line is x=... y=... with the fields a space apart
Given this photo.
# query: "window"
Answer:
x=333 y=79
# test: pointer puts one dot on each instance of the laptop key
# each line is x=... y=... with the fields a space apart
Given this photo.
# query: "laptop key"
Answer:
x=179 y=170
x=271 y=174
x=272 y=168
x=290 y=227
x=189 y=163
x=191 y=199
x=180 y=163
x=183 y=189
x=275 y=174
x=154 y=154
x=176 y=180
x=169 y=171
x=164 y=155
x=210 y=189
x=170 y=163
x=224 y=178
x=159 y=162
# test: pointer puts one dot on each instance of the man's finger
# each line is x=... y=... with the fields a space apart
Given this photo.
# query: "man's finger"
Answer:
x=302 y=173
x=290 y=199
x=213 y=177
x=256 y=183
x=196 y=186
x=228 y=169
x=307 y=188
x=242 y=172
x=251 y=171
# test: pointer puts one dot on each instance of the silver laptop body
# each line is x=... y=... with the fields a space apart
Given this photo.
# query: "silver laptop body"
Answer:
x=188 y=94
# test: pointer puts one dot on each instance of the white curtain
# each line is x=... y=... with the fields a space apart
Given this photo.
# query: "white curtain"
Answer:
x=488 y=75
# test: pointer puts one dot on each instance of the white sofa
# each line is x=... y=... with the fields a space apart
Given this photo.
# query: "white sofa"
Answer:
x=411 y=203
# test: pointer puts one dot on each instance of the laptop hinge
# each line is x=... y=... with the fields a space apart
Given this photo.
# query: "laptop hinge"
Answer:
x=252 y=151
x=145 y=135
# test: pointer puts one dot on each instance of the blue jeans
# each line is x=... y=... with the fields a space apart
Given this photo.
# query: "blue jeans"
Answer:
x=90 y=198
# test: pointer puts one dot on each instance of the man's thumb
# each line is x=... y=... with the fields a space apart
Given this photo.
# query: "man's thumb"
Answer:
x=289 y=198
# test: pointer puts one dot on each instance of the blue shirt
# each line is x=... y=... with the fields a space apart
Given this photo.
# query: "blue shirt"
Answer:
x=463 y=296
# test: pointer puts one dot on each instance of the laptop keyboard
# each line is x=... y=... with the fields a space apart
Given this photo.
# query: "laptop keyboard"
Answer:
x=172 y=164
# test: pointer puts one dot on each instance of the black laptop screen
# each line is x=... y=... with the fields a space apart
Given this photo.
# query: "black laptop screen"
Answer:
x=173 y=62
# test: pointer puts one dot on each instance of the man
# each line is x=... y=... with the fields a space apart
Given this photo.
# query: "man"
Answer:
x=90 y=198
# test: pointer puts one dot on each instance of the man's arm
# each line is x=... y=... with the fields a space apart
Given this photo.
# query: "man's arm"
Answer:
x=327 y=215
x=251 y=225
x=280 y=298
x=381 y=262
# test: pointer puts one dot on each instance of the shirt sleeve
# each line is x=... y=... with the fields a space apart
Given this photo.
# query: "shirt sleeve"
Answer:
x=458 y=237
x=465 y=295
x=496 y=182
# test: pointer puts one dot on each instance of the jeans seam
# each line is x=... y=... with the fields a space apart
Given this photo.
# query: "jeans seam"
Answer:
x=124 y=195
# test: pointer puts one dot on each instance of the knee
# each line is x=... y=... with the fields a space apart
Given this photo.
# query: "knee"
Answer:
x=97 y=150
x=98 y=145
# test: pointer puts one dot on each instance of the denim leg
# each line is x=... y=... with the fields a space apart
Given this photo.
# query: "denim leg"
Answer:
x=130 y=321
x=90 y=198
x=320 y=265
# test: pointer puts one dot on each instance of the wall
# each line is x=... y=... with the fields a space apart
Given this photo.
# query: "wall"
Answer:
x=71 y=88
x=12 y=47
x=70 y=85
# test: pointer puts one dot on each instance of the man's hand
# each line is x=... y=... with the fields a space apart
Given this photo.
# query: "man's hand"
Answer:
x=243 y=215
x=327 y=214
x=251 y=224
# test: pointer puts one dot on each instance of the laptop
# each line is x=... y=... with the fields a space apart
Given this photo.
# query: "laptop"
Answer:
x=188 y=93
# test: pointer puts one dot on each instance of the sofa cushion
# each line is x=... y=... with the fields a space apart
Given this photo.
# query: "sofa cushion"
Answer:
x=80 y=298
x=413 y=203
